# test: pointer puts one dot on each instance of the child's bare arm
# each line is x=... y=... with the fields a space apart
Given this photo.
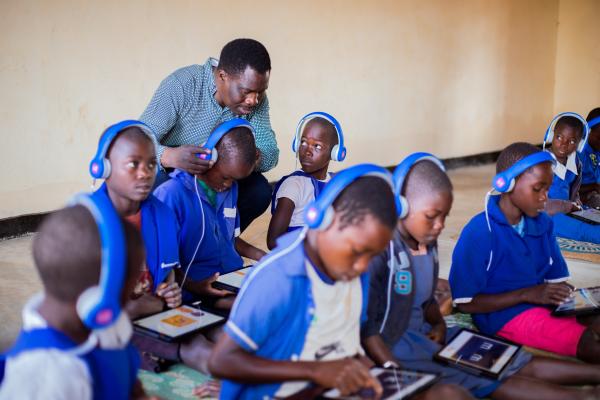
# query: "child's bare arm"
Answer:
x=146 y=304
x=280 y=220
x=544 y=294
x=245 y=249
x=229 y=361
x=378 y=351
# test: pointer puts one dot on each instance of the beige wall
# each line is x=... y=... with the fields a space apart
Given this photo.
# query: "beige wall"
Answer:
x=452 y=77
x=578 y=57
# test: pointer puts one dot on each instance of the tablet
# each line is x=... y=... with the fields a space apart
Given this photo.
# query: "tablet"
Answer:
x=175 y=324
x=478 y=354
x=232 y=281
x=583 y=301
x=397 y=384
x=590 y=216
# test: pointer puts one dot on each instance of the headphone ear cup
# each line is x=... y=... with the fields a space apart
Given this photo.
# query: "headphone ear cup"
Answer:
x=107 y=168
x=295 y=144
x=87 y=301
x=402 y=205
x=334 y=153
x=213 y=156
x=511 y=185
x=327 y=218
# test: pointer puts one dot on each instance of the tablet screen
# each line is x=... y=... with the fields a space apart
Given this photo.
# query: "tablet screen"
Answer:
x=583 y=299
x=478 y=351
x=590 y=214
x=397 y=384
x=178 y=321
x=234 y=278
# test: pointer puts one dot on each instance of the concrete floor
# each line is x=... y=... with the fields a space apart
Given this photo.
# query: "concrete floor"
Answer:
x=20 y=279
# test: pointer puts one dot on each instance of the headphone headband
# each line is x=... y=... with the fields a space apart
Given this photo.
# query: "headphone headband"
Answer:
x=504 y=181
x=217 y=134
x=550 y=131
x=593 y=122
x=100 y=166
x=400 y=174
x=338 y=152
x=99 y=306
x=319 y=213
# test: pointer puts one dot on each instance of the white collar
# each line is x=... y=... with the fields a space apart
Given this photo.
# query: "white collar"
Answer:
x=560 y=170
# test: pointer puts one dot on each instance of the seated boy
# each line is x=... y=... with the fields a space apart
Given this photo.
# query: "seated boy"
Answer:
x=409 y=330
x=56 y=356
x=563 y=195
x=507 y=269
x=590 y=158
x=297 y=316
x=205 y=208
x=132 y=157
x=294 y=192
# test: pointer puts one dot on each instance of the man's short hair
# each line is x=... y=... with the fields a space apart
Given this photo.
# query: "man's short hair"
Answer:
x=241 y=53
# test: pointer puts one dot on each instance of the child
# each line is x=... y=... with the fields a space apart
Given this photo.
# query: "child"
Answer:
x=297 y=315
x=318 y=144
x=404 y=325
x=564 y=192
x=63 y=351
x=205 y=208
x=590 y=184
x=507 y=269
x=130 y=151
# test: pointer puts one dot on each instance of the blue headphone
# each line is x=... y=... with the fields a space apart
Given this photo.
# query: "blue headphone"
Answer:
x=400 y=174
x=504 y=182
x=100 y=165
x=99 y=306
x=218 y=133
x=550 y=131
x=338 y=152
x=320 y=212
x=593 y=122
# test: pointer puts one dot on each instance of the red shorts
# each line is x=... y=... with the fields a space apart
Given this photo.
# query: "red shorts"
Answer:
x=537 y=328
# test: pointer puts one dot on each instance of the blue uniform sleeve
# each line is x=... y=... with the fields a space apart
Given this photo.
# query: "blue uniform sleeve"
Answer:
x=558 y=272
x=471 y=259
x=259 y=308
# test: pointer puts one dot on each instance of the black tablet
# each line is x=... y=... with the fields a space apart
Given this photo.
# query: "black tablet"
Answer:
x=175 y=324
x=397 y=384
x=232 y=281
x=590 y=216
x=478 y=354
x=584 y=301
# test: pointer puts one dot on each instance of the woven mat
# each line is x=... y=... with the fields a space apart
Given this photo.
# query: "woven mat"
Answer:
x=175 y=384
x=580 y=250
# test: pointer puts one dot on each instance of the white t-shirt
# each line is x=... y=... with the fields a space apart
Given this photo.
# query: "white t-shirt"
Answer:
x=334 y=332
x=300 y=190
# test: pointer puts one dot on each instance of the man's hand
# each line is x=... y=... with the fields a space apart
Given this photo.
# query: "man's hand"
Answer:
x=548 y=293
x=171 y=293
x=186 y=157
x=348 y=376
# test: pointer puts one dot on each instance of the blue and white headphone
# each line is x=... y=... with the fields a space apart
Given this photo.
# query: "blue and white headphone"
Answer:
x=504 y=181
x=593 y=122
x=218 y=133
x=400 y=174
x=100 y=165
x=550 y=131
x=338 y=152
x=99 y=306
x=319 y=213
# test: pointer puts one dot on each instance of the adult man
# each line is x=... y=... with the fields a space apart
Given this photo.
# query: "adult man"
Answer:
x=193 y=100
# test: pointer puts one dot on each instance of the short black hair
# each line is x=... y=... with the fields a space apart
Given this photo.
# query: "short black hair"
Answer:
x=133 y=133
x=241 y=53
x=514 y=153
x=66 y=251
x=327 y=126
x=426 y=178
x=366 y=195
x=595 y=113
x=571 y=122
x=238 y=144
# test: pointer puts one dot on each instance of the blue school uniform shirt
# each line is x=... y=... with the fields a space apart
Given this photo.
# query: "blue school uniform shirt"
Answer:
x=503 y=261
x=160 y=235
x=563 y=179
x=590 y=159
x=273 y=311
x=221 y=225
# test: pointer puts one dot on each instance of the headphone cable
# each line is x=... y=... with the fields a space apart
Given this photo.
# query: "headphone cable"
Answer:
x=201 y=236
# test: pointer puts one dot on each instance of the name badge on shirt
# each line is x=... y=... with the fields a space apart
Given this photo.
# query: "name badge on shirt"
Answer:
x=229 y=212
